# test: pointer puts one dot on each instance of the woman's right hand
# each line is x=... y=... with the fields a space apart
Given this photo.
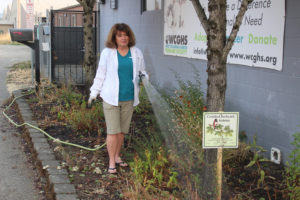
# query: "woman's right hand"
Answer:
x=90 y=101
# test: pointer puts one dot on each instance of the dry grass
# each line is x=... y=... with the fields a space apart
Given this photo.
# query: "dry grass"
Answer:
x=19 y=77
x=241 y=153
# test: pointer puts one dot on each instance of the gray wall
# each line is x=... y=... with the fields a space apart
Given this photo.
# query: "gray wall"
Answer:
x=268 y=100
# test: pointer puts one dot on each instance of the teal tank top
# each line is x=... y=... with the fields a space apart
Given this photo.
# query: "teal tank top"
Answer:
x=125 y=72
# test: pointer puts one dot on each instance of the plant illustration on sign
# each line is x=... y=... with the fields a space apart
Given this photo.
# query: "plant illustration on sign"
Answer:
x=219 y=129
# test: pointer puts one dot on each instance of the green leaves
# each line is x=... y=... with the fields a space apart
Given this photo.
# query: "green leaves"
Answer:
x=292 y=170
x=256 y=160
x=154 y=171
x=251 y=164
x=262 y=178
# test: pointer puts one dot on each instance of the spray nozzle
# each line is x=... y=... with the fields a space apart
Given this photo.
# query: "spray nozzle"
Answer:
x=141 y=75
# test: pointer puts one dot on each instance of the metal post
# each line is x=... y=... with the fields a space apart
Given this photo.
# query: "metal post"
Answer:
x=51 y=45
x=37 y=56
x=32 y=64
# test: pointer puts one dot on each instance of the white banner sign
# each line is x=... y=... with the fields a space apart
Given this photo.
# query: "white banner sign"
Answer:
x=259 y=41
x=29 y=13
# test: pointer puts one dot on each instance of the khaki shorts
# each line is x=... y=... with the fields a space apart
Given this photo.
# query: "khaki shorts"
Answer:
x=118 y=118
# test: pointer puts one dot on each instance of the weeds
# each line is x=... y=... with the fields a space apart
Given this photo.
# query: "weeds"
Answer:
x=188 y=106
x=151 y=166
x=154 y=172
x=186 y=151
x=240 y=154
x=71 y=109
x=159 y=171
x=292 y=170
x=87 y=120
x=257 y=158
x=21 y=66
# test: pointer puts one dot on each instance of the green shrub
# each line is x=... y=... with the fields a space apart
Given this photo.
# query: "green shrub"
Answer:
x=86 y=120
x=68 y=97
x=72 y=110
x=292 y=170
x=188 y=105
x=257 y=158
x=154 y=171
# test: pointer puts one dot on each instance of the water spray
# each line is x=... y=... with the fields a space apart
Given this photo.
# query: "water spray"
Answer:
x=186 y=154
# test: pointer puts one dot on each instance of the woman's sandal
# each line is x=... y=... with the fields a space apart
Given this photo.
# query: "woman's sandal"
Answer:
x=109 y=170
x=122 y=164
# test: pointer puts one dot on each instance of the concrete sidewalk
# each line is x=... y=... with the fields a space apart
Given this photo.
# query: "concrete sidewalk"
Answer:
x=16 y=179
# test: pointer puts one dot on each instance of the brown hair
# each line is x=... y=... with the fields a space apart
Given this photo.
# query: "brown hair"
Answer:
x=111 y=38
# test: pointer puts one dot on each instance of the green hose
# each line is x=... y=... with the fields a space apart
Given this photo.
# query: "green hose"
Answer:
x=45 y=133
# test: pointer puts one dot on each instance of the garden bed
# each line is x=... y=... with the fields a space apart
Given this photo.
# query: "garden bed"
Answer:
x=88 y=169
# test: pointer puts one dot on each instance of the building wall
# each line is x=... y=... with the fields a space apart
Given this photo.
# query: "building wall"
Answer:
x=5 y=27
x=268 y=100
x=70 y=18
x=18 y=21
x=40 y=8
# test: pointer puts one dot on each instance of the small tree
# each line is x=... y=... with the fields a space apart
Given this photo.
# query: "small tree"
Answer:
x=218 y=48
x=89 y=62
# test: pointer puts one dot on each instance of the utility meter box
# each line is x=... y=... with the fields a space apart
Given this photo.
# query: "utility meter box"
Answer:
x=21 y=35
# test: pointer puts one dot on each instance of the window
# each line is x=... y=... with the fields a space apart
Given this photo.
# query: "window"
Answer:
x=73 y=21
x=113 y=4
x=65 y=20
x=149 y=5
x=60 y=21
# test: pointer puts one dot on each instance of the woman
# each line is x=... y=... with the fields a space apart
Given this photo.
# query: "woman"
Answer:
x=117 y=81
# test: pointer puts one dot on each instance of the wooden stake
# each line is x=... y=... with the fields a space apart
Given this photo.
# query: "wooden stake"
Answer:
x=219 y=174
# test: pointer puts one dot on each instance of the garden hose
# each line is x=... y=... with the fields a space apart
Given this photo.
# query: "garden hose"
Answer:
x=45 y=133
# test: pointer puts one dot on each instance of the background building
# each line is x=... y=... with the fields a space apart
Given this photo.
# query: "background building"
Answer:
x=27 y=13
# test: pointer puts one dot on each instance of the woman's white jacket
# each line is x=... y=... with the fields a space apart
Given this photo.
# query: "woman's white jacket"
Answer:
x=106 y=82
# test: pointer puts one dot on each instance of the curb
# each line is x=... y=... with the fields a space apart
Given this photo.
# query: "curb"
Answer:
x=58 y=185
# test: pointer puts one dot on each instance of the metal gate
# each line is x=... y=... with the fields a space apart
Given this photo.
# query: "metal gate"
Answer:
x=67 y=46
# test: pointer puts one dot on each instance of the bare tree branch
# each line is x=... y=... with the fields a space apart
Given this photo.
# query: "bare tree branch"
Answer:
x=90 y=3
x=82 y=3
x=235 y=28
x=201 y=14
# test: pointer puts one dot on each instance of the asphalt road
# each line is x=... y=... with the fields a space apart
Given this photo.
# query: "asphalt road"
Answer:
x=16 y=178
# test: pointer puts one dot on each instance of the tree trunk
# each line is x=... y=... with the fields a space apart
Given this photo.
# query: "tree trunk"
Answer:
x=89 y=61
x=89 y=54
x=216 y=66
x=216 y=81
x=218 y=47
